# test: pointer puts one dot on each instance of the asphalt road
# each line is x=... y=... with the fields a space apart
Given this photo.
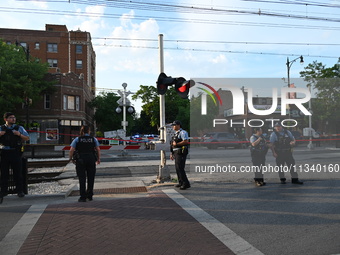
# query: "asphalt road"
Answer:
x=229 y=164
x=276 y=218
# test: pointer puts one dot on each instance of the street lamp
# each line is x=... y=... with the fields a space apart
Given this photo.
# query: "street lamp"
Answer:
x=310 y=144
x=123 y=101
x=289 y=65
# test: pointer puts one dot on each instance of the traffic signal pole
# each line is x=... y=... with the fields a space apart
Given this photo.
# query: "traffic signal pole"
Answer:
x=161 y=97
x=164 y=172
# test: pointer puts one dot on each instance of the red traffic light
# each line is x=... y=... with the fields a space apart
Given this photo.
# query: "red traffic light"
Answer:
x=182 y=87
x=163 y=82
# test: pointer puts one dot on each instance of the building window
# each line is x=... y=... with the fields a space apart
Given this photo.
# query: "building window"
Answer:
x=65 y=102
x=52 y=62
x=79 y=48
x=37 y=46
x=71 y=103
x=52 y=47
x=47 y=101
x=79 y=64
x=77 y=103
x=23 y=44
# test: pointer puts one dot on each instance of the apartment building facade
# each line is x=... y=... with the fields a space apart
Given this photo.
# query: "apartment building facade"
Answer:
x=72 y=64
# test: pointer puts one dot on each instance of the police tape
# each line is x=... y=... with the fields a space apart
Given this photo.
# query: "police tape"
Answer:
x=103 y=147
x=147 y=140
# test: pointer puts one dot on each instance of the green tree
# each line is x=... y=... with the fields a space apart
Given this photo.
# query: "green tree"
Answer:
x=142 y=125
x=326 y=83
x=21 y=77
x=176 y=108
x=106 y=117
x=201 y=124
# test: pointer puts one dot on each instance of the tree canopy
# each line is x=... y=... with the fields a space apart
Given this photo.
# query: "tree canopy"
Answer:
x=326 y=83
x=106 y=117
x=176 y=108
x=21 y=77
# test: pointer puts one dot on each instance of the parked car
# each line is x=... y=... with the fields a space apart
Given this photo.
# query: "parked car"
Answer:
x=221 y=139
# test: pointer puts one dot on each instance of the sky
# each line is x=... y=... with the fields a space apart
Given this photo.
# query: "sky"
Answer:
x=202 y=38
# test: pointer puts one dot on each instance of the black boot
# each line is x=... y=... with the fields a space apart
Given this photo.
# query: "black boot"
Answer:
x=283 y=180
x=296 y=181
x=258 y=182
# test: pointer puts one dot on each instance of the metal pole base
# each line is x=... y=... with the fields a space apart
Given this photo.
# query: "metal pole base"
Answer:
x=164 y=171
x=310 y=146
x=124 y=153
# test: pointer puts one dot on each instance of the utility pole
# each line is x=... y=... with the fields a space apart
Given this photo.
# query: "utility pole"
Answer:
x=164 y=172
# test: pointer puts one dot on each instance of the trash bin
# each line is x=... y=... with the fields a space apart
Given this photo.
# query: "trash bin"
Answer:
x=11 y=182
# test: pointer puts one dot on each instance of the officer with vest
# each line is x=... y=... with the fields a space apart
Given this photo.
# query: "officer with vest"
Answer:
x=85 y=153
x=281 y=143
x=11 y=137
x=179 y=151
x=258 y=151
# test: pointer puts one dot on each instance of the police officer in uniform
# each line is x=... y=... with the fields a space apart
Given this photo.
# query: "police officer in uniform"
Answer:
x=258 y=150
x=11 y=137
x=179 y=151
x=85 y=153
x=281 y=143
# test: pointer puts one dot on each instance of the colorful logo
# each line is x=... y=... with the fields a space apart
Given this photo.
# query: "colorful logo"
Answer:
x=210 y=94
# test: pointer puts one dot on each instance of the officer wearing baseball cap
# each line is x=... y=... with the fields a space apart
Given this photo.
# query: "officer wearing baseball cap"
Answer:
x=282 y=141
x=179 y=151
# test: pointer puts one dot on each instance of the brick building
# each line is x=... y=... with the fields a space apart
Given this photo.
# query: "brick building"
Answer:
x=72 y=63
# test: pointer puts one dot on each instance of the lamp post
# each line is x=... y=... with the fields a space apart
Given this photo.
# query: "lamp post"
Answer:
x=310 y=144
x=123 y=101
x=289 y=65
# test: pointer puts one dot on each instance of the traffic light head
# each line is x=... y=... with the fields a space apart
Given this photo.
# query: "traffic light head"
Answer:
x=163 y=82
x=183 y=86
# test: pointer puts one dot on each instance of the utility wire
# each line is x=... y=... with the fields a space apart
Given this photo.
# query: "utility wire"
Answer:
x=305 y=3
x=14 y=33
x=217 y=42
x=210 y=50
x=162 y=19
x=155 y=6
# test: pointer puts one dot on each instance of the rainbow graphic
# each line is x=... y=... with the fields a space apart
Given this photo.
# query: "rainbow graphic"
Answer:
x=210 y=94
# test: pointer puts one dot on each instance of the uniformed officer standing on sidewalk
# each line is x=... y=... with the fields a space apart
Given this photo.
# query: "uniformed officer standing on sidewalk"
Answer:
x=85 y=152
x=11 y=137
x=179 y=151
x=258 y=151
x=281 y=143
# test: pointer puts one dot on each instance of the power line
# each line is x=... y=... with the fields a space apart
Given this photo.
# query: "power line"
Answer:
x=305 y=3
x=163 y=19
x=217 y=42
x=210 y=50
x=155 y=6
